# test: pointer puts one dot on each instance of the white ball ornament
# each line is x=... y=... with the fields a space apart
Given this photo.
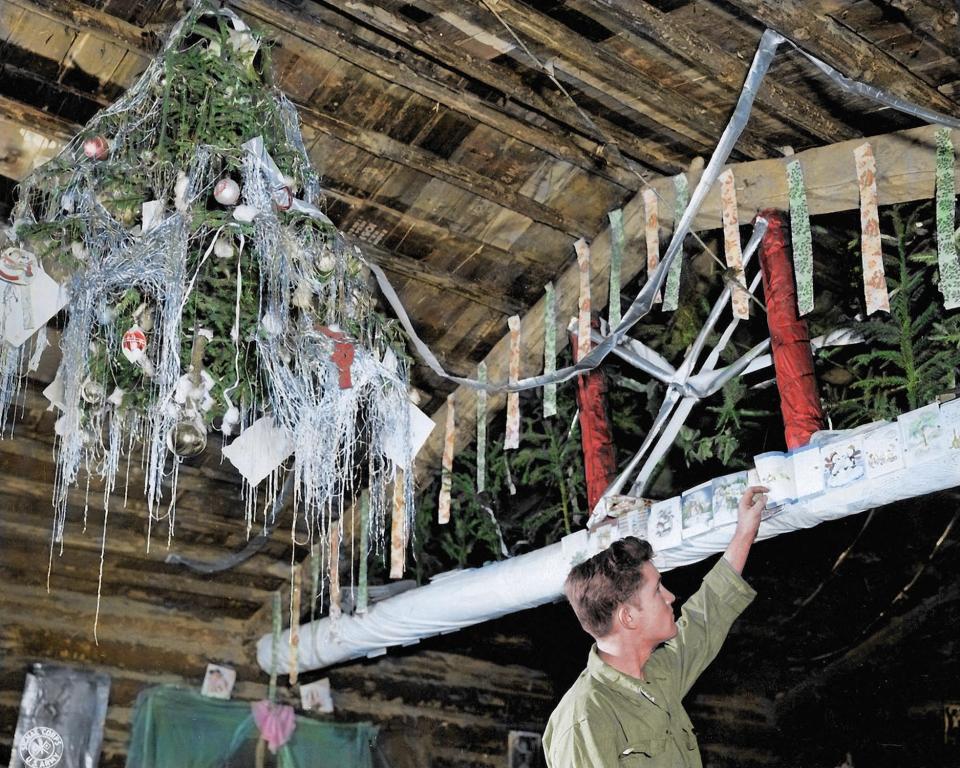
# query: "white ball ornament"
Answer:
x=227 y=192
x=96 y=148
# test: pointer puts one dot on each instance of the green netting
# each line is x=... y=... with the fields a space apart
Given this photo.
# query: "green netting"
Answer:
x=177 y=728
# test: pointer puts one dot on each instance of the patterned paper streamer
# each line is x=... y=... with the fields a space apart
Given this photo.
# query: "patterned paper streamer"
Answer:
x=651 y=230
x=398 y=529
x=874 y=280
x=275 y=644
x=946 y=200
x=583 y=316
x=481 y=430
x=295 y=586
x=802 y=240
x=315 y=558
x=446 y=472
x=512 y=438
x=549 y=349
x=362 y=592
x=617 y=239
x=335 y=598
x=731 y=243
x=671 y=293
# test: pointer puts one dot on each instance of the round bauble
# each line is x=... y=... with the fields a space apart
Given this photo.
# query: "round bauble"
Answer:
x=223 y=248
x=227 y=192
x=187 y=438
x=93 y=392
x=96 y=148
x=134 y=344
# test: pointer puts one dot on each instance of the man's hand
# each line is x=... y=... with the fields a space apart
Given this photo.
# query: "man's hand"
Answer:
x=751 y=505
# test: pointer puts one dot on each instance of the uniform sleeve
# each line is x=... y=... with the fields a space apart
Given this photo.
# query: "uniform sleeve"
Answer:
x=583 y=745
x=704 y=622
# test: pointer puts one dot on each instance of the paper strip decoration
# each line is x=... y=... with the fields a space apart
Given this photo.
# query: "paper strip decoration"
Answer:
x=275 y=645
x=946 y=200
x=294 y=622
x=481 y=430
x=874 y=280
x=731 y=243
x=446 y=472
x=802 y=240
x=512 y=438
x=335 y=609
x=360 y=604
x=549 y=350
x=616 y=260
x=651 y=229
x=583 y=316
x=315 y=557
x=398 y=529
x=671 y=294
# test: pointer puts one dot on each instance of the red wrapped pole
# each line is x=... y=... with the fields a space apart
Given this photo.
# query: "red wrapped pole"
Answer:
x=789 y=336
x=596 y=433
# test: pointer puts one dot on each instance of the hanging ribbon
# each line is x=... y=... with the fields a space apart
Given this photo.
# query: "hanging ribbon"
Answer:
x=398 y=529
x=871 y=251
x=362 y=590
x=446 y=472
x=549 y=350
x=294 y=622
x=616 y=260
x=651 y=230
x=335 y=597
x=315 y=558
x=275 y=645
x=583 y=304
x=482 y=430
x=512 y=438
x=671 y=294
x=802 y=240
x=946 y=200
x=731 y=244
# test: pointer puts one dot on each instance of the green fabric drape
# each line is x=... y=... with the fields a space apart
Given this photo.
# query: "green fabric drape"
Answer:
x=178 y=728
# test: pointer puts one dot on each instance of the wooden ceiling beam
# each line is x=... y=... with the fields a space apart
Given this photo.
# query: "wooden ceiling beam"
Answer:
x=309 y=26
x=598 y=68
x=637 y=18
x=550 y=103
x=84 y=18
x=845 y=50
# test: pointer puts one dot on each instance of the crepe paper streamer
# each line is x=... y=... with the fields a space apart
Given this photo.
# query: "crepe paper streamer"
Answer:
x=789 y=337
x=671 y=293
x=871 y=251
x=802 y=240
x=512 y=438
x=295 y=586
x=398 y=529
x=276 y=723
x=481 y=430
x=616 y=260
x=731 y=244
x=446 y=472
x=361 y=601
x=315 y=557
x=651 y=229
x=275 y=645
x=335 y=604
x=946 y=245
x=583 y=304
x=549 y=349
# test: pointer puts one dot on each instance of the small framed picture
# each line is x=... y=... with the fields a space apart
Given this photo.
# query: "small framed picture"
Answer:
x=218 y=682
x=524 y=750
x=315 y=696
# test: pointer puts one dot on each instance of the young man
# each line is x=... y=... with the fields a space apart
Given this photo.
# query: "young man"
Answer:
x=625 y=708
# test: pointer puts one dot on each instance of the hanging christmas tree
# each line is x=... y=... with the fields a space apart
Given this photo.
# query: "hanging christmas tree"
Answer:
x=207 y=293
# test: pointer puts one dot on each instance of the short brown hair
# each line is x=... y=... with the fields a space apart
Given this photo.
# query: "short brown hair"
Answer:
x=597 y=586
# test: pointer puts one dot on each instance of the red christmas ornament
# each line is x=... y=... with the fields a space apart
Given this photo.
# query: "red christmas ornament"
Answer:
x=96 y=148
x=343 y=354
x=134 y=344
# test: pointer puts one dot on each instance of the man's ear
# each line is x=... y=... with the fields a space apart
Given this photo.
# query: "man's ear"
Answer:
x=625 y=617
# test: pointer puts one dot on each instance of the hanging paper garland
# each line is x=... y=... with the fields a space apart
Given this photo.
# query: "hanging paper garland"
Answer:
x=731 y=244
x=871 y=251
x=946 y=203
x=583 y=305
x=362 y=588
x=616 y=260
x=336 y=609
x=671 y=293
x=651 y=229
x=481 y=430
x=446 y=470
x=275 y=645
x=316 y=555
x=512 y=438
x=398 y=530
x=802 y=239
x=295 y=587
x=549 y=349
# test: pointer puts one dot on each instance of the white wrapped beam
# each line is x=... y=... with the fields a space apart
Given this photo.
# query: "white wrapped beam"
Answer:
x=461 y=598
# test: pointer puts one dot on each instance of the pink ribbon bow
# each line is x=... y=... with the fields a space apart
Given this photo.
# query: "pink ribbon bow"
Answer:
x=275 y=721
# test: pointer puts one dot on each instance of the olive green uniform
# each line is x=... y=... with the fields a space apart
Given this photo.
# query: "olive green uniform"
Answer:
x=608 y=718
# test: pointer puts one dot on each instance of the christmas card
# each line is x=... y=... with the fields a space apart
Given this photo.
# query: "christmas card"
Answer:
x=664 y=524
x=727 y=491
x=950 y=421
x=807 y=472
x=697 y=509
x=883 y=450
x=921 y=433
x=843 y=462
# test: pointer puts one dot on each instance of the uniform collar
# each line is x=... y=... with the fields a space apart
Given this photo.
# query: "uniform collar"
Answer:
x=600 y=670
